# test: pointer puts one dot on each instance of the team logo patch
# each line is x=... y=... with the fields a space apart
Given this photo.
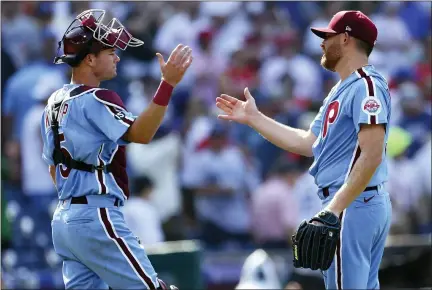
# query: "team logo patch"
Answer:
x=371 y=106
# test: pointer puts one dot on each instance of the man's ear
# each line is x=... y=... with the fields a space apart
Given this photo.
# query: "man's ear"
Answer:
x=90 y=59
x=345 y=37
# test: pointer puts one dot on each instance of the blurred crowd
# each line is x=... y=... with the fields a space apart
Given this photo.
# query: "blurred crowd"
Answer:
x=201 y=178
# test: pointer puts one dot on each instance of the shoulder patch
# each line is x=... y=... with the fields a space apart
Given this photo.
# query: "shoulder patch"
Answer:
x=109 y=98
x=371 y=106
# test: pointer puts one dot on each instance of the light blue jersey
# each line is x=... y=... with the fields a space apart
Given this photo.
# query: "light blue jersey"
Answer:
x=362 y=98
x=89 y=233
x=92 y=122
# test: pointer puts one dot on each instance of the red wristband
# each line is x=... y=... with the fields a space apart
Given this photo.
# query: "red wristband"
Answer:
x=163 y=94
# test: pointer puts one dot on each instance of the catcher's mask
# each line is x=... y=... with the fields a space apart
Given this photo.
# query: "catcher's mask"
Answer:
x=88 y=34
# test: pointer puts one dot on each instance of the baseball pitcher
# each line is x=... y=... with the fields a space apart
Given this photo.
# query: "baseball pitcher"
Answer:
x=347 y=140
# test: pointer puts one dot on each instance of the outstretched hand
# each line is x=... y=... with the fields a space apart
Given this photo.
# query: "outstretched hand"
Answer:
x=178 y=62
x=237 y=110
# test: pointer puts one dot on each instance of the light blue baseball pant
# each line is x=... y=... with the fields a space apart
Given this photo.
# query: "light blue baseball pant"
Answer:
x=365 y=226
x=98 y=249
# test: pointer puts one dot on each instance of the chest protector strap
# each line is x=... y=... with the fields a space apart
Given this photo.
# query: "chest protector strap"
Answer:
x=59 y=156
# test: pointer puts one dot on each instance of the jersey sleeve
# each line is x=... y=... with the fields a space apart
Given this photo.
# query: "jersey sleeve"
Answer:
x=107 y=113
x=46 y=153
x=370 y=104
x=315 y=126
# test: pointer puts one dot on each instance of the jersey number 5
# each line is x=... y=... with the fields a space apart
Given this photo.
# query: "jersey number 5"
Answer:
x=330 y=117
x=64 y=171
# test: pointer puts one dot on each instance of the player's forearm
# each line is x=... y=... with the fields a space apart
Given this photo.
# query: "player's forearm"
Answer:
x=148 y=122
x=356 y=183
x=288 y=138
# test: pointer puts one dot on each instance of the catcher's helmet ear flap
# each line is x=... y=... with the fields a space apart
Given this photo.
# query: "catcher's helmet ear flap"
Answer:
x=88 y=34
x=76 y=44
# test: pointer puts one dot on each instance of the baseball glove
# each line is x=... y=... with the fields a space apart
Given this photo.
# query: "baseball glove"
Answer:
x=314 y=246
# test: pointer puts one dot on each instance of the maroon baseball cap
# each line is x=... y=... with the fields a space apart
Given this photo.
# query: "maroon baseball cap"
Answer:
x=355 y=23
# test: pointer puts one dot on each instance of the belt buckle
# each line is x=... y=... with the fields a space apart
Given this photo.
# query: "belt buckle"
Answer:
x=99 y=167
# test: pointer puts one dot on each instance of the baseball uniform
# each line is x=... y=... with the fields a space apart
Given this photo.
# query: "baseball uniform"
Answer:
x=88 y=228
x=362 y=98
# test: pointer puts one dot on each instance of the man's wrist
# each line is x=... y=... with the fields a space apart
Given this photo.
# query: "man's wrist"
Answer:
x=169 y=82
x=163 y=93
x=254 y=119
x=334 y=209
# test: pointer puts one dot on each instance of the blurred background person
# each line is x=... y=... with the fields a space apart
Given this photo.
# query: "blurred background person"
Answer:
x=38 y=188
x=416 y=117
x=404 y=192
x=18 y=95
x=221 y=183
x=159 y=160
x=393 y=43
x=422 y=161
x=141 y=215
x=274 y=207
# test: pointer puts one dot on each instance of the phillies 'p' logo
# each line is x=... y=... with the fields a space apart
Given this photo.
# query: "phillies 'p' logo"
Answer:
x=330 y=117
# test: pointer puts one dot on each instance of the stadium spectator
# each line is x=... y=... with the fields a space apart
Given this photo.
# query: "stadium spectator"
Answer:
x=422 y=178
x=404 y=193
x=141 y=215
x=208 y=66
x=274 y=207
x=220 y=181
x=415 y=118
x=394 y=43
x=38 y=188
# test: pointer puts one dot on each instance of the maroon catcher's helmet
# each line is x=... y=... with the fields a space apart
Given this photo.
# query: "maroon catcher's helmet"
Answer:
x=88 y=34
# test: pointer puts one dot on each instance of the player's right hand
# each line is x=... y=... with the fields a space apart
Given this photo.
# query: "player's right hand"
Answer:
x=237 y=110
x=179 y=61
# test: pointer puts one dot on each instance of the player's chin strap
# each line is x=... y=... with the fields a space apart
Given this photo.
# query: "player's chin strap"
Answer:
x=59 y=156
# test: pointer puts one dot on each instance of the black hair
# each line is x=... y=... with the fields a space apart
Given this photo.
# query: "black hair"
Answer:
x=142 y=183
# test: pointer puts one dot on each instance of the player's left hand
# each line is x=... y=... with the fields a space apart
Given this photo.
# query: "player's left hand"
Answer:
x=178 y=62
x=314 y=245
